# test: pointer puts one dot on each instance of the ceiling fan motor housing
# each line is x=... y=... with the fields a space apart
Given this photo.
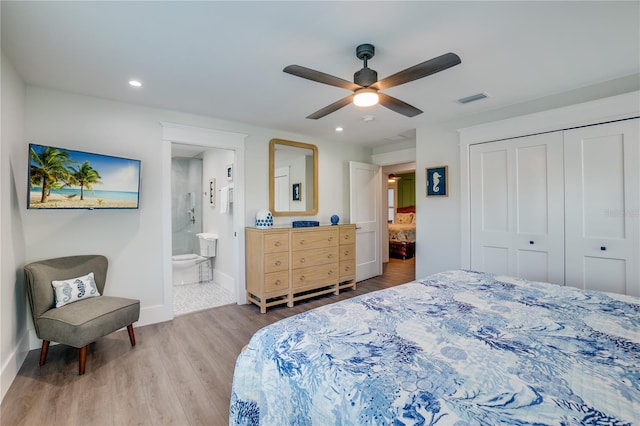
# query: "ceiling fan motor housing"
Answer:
x=365 y=77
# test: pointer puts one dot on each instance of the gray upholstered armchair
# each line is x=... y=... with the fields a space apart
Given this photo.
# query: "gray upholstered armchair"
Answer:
x=83 y=321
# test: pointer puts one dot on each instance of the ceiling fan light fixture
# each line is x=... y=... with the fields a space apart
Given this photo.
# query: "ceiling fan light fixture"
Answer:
x=365 y=97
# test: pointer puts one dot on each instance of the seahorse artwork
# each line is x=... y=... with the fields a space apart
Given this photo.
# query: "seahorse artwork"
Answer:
x=436 y=181
x=92 y=284
x=81 y=288
x=66 y=290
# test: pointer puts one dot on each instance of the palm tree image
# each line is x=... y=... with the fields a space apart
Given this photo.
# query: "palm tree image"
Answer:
x=59 y=178
x=49 y=169
x=85 y=176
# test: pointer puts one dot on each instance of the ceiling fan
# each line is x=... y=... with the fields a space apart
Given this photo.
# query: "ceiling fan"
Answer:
x=366 y=86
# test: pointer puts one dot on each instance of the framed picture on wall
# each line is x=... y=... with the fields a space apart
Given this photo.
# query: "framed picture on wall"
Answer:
x=229 y=172
x=296 y=193
x=437 y=181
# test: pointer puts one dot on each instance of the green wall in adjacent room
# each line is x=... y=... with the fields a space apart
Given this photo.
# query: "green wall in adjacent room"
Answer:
x=407 y=190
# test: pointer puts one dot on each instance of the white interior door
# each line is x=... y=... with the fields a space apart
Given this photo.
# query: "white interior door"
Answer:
x=517 y=207
x=603 y=192
x=281 y=182
x=364 y=194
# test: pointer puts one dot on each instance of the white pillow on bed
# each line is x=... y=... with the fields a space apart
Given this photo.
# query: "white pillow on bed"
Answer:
x=74 y=289
x=406 y=218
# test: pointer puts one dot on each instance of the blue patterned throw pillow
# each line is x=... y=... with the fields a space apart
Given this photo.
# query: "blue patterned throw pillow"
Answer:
x=74 y=289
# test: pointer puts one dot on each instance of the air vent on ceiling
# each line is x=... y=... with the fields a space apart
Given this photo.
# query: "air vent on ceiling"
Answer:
x=473 y=98
x=396 y=138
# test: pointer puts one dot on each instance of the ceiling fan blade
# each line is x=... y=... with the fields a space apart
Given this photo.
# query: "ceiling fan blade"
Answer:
x=320 y=77
x=415 y=72
x=397 y=105
x=331 y=108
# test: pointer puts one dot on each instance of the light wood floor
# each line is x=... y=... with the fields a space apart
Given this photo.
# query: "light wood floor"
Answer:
x=179 y=373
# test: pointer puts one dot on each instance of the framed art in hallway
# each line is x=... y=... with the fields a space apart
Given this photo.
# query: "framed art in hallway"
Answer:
x=296 y=192
x=229 y=172
x=437 y=181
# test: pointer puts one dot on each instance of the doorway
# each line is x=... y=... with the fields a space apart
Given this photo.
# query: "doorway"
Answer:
x=399 y=231
x=201 y=228
x=229 y=229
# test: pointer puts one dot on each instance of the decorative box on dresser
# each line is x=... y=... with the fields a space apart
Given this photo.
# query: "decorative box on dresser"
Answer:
x=285 y=265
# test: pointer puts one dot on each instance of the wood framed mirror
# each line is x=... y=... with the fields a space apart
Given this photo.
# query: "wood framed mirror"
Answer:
x=293 y=178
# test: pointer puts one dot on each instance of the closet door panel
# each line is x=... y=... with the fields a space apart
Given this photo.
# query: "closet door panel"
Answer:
x=534 y=265
x=492 y=240
x=539 y=212
x=602 y=187
x=517 y=207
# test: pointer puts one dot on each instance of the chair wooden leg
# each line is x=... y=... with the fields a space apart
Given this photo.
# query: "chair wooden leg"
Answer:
x=43 y=352
x=82 y=359
x=132 y=337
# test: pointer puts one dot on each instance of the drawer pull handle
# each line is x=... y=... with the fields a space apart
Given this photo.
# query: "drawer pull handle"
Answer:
x=301 y=277
x=329 y=272
x=301 y=242
x=278 y=263
x=330 y=239
x=302 y=260
x=603 y=248
x=330 y=255
x=346 y=252
x=277 y=282
x=277 y=244
x=346 y=268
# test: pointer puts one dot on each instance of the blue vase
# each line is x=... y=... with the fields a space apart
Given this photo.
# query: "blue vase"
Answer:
x=335 y=219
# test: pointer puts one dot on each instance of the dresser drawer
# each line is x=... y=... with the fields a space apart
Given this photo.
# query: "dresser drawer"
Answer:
x=274 y=262
x=347 y=235
x=347 y=270
x=347 y=252
x=321 y=256
x=315 y=276
x=314 y=239
x=276 y=242
x=276 y=281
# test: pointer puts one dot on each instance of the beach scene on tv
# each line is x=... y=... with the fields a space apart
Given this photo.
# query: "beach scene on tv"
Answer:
x=60 y=178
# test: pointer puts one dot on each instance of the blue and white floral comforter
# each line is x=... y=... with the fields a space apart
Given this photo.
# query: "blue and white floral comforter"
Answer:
x=457 y=348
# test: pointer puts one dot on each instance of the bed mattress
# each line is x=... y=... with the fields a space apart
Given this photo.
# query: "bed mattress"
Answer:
x=455 y=348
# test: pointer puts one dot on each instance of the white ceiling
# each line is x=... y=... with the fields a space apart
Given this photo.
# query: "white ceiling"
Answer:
x=225 y=59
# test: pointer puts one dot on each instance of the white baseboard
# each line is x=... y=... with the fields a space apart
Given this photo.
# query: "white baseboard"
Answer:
x=226 y=280
x=12 y=365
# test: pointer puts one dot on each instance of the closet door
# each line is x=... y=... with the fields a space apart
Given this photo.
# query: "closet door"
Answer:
x=603 y=209
x=517 y=207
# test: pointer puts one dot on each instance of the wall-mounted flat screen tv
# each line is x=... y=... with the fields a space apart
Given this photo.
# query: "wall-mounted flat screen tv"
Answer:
x=61 y=178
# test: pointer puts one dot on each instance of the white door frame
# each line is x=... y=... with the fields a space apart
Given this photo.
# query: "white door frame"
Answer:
x=210 y=138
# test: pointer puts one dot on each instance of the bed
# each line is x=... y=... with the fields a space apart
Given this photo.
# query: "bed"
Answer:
x=402 y=234
x=456 y=348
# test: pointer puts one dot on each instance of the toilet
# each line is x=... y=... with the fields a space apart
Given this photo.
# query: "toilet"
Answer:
x=186 y=267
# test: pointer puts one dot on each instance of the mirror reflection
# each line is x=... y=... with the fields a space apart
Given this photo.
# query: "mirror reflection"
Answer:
x=293 y=178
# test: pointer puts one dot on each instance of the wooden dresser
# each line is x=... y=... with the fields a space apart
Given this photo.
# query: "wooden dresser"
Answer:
x=285 y=265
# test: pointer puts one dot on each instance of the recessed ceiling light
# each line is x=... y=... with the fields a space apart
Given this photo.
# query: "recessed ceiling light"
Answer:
x=339 y=129
x=135 y=83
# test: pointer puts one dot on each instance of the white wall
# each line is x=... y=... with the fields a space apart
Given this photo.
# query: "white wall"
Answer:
x=13 y=177
x=214 y=167
x=132 y=240
x=437 y=218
